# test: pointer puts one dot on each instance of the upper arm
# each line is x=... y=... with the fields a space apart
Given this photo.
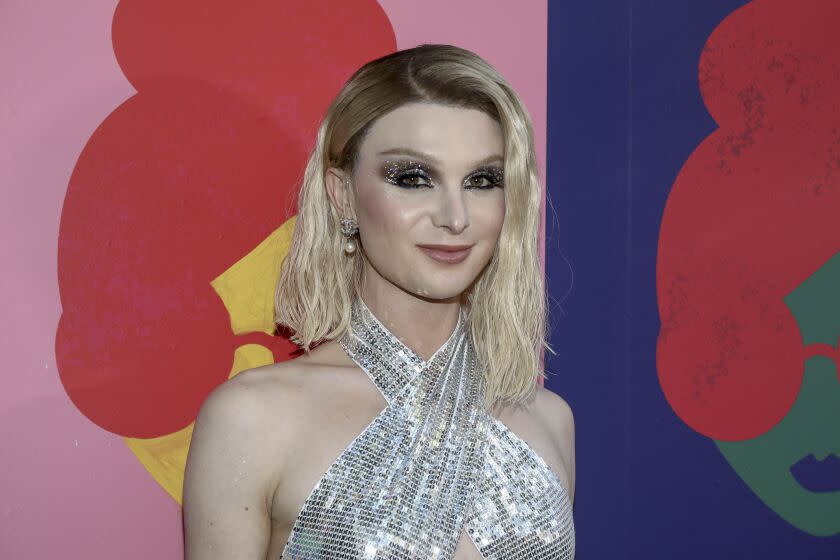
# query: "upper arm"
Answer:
x=225 y=502
x=561 y=424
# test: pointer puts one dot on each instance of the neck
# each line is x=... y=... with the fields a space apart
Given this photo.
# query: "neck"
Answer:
x=421 y=324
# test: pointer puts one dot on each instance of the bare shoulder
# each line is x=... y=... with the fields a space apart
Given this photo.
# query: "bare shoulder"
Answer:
x=243 y=396
x=279 y=398
x=557 y=415
x=245 y=441
x=251 y=400
x=240 y=417
x=259 y=415
x=232 y=466
x=271 y=388
x=557 y=418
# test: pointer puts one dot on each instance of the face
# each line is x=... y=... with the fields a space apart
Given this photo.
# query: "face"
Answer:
x=429 y=175
x=794 y=467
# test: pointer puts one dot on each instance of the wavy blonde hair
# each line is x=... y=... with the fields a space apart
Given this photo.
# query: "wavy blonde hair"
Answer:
x=505 y=305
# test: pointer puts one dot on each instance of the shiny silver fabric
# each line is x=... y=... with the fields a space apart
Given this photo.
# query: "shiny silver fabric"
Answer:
x=431 y=465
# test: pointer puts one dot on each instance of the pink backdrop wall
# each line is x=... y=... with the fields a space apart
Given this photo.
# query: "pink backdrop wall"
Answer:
x=69 y=488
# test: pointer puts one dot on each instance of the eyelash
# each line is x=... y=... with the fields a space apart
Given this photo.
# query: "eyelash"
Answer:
x=396 y=177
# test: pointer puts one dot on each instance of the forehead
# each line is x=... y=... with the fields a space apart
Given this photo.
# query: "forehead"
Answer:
x=444 y=132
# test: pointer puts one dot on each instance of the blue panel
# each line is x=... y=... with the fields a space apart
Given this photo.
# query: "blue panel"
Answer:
x=624 y=114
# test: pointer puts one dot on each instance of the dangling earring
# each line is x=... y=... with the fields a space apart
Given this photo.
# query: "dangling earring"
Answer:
x=349 y=228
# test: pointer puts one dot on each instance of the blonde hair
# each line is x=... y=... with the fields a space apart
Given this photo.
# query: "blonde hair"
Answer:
x=505 y=306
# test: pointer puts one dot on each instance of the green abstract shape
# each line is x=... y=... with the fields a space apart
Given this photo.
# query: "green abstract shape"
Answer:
x=815 y=304
x=812 y=426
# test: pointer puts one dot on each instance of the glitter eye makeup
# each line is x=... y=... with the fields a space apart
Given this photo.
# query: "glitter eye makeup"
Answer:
x=410 y=174
x=493 y=175
x=407 y=173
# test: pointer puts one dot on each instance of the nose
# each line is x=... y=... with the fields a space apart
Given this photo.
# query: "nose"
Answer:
x=451 y=210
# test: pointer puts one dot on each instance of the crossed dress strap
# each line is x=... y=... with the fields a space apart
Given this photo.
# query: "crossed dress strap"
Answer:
x=431 y=465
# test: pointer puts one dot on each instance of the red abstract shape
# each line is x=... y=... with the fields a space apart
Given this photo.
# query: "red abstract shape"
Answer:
x=183 y=180
x=753 y=212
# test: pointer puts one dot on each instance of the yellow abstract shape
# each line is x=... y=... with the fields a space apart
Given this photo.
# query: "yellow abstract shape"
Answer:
x=247 y=291
x=247 y=288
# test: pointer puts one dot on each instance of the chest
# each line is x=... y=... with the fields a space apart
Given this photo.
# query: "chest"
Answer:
x=330 y=428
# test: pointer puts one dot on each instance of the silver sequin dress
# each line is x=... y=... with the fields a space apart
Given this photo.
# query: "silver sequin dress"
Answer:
x=432 y=464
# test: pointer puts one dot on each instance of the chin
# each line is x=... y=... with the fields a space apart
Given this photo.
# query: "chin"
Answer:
x=442 y=288
x=441 y=296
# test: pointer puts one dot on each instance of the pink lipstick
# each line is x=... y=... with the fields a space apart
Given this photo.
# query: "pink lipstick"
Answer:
x=449 y=254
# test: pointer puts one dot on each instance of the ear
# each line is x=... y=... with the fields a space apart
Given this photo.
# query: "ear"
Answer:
x=339 y=191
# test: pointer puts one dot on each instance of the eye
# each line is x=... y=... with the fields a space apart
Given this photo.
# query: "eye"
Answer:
x=480 y=182
x=407 y=174
x=484 y=180
x=412 y=180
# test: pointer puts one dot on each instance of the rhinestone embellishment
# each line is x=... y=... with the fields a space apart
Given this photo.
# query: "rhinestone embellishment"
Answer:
x=433 y=464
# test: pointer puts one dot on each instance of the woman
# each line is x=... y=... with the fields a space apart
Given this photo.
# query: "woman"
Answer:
x=415 y=428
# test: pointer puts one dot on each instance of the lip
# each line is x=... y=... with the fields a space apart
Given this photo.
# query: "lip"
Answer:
x=817 y=475
x=449 y=254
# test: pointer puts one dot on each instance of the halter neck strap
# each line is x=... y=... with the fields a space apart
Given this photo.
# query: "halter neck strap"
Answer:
x=389 y=363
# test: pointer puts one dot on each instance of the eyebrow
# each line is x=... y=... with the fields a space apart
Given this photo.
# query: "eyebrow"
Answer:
x=432 y=159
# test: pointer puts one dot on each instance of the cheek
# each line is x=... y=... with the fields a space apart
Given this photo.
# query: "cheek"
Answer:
x=490 y=215
x=385 y=212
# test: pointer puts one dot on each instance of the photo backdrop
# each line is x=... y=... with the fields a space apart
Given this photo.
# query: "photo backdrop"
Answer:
x=693 y=158
x=150 y=154
x=148 y=161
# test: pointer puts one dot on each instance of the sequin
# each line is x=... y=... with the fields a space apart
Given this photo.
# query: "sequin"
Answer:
x=432 y=464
